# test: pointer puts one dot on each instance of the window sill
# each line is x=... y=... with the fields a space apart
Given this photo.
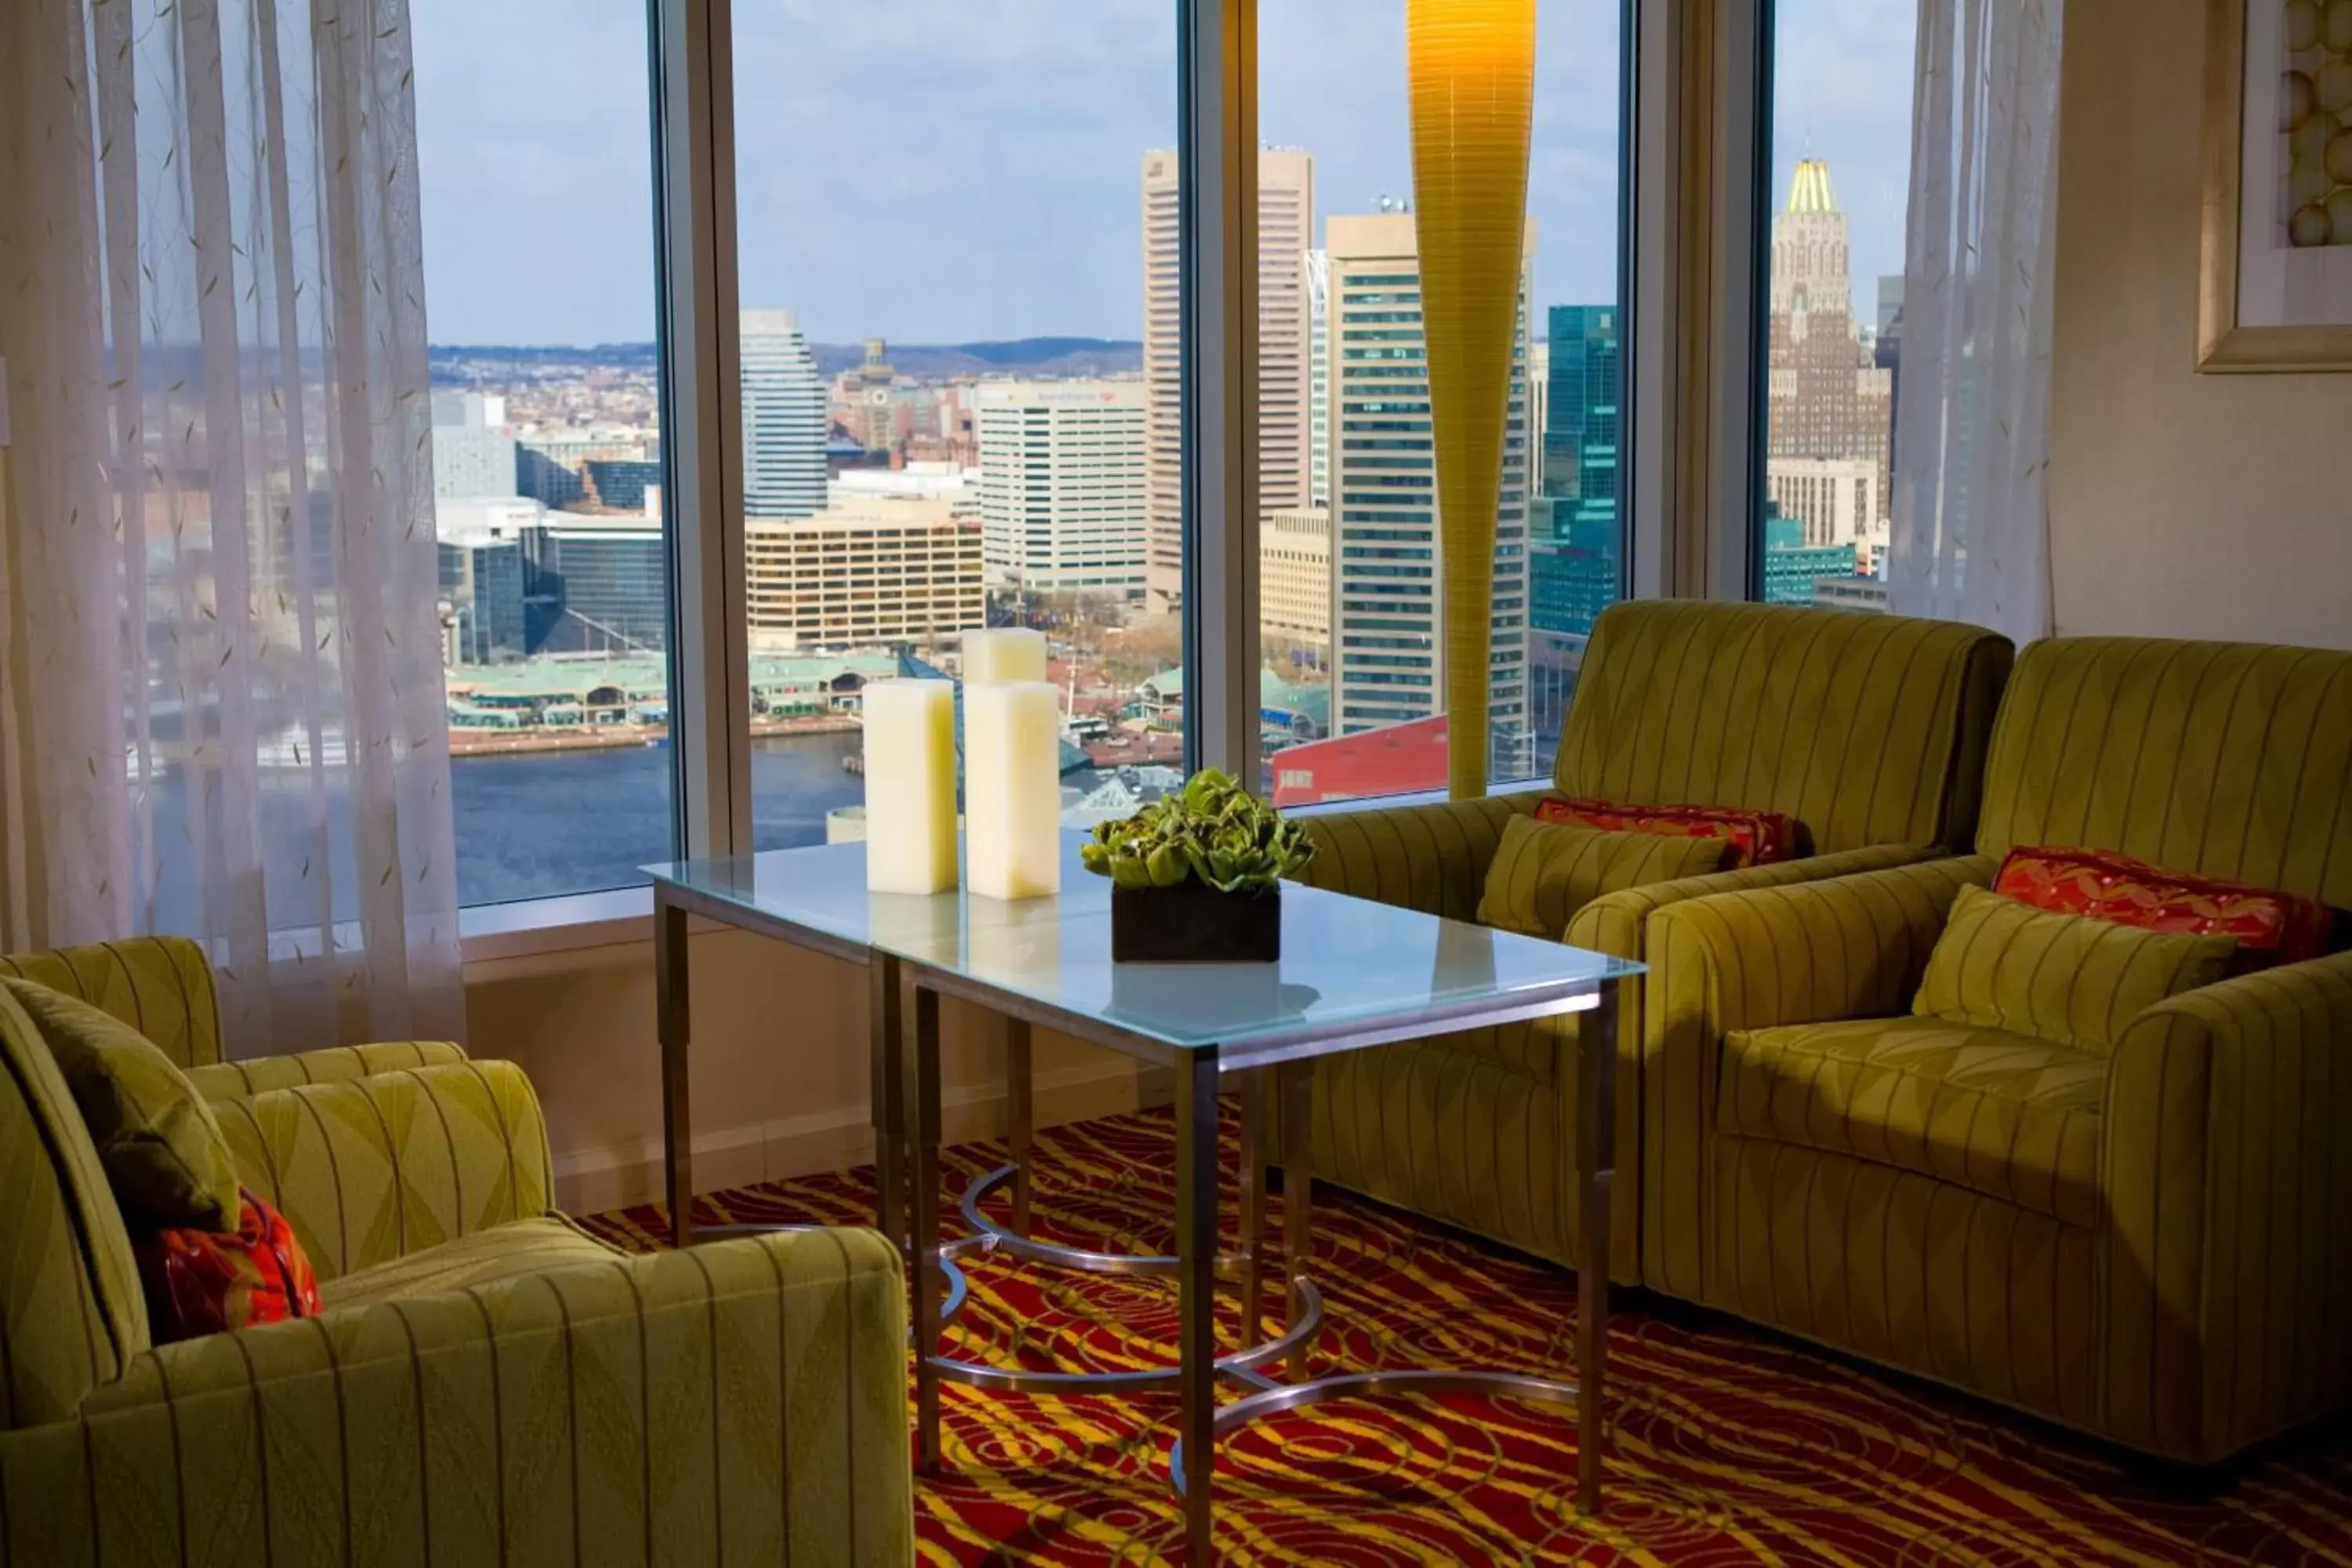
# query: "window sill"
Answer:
x=528 y=927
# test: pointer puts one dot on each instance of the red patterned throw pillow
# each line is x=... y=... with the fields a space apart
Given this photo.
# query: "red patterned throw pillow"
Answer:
x=2272 y=928
x=1757 y=838
x=203 y=1282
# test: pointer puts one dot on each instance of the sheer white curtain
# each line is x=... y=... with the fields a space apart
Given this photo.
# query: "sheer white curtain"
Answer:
x=1971 y=524
x=221 y=705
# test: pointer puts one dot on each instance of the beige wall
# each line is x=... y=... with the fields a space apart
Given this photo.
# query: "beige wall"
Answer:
x=778 y=1085
x=2182 y=505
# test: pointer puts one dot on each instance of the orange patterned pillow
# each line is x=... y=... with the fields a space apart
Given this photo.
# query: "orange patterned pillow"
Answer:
x=1757 y=838
x=2272 y=928
x=203 y=1282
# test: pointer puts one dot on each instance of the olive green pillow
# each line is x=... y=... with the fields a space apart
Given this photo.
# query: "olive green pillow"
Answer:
x=1544 y=872
x=2072 y=979
x=158 y=1141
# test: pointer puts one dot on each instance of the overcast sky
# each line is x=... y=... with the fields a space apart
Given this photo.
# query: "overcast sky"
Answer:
x=947 y=171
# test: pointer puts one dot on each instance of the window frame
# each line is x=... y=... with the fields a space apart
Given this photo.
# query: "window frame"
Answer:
x=1694 y=145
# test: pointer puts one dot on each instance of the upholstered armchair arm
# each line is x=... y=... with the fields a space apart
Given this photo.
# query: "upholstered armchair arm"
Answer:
x=339 y=1064
x=160 y=985
x=1615 y=923
x=739 y=1403
x=1801 y=952
x=1432 y=858
x=2228 y=1235
x=370 y=1168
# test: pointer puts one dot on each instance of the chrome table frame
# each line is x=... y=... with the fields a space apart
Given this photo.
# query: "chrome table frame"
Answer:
x=674 y=908
x=1197 y=1264
x=904 y=1046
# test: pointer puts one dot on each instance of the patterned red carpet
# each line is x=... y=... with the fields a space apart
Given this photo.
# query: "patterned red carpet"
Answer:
x=1731 y=1446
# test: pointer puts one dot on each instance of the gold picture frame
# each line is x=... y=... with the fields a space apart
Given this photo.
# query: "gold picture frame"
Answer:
x=2225 y=342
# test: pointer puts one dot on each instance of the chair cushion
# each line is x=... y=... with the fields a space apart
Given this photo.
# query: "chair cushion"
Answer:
x=2068 y=979
x=2272 y=928
x=2001 y=1114
x=1757 y=837
x=482 y=1257
x=163 y=1151
x=1543 y=874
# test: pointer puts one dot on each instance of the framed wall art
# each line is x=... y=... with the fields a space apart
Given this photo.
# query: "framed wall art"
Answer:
x=2276 y=280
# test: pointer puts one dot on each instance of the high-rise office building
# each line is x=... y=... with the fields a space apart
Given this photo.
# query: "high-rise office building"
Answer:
x=473 y=447
x=784 y=421
x=1388 y=658
x=481 y=579
x=1825 y=395
x=1318 y=377
x=1062 y=485
x=605 y=577
x=1793 y=568
x=1285 y=220
x=1294 y=580
x=868 y=569
x=1576 y=544
x=1890 y=301
x=1832 y=499
x=1580 y=419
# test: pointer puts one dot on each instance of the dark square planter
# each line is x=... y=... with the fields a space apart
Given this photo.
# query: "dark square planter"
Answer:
x=1194 y=923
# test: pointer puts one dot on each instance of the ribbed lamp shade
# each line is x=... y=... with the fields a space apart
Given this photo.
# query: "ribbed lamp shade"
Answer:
x=1473 y=64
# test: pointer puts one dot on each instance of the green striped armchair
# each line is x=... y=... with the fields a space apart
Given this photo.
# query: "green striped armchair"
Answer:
x=2152 y=1242
x=487 y=1382
x=1868 y=729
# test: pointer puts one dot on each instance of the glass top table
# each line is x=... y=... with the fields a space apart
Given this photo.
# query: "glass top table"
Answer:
x=1353 y=974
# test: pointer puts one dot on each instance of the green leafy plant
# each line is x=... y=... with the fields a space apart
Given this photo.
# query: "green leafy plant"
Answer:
x=1212 y=830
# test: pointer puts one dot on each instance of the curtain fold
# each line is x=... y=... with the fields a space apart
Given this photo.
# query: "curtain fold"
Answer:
x=221 y=702
x=1971 y=525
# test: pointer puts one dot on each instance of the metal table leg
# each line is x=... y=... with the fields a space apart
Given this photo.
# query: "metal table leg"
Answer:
x=671 y=1016
x=1020 y=1114
x=1596 y=1170
x=1596 y=1175
x=1297 y=1089
x=1253 y=1197
x=922 y=1079
x=885 y=1025
x=1196 y=1245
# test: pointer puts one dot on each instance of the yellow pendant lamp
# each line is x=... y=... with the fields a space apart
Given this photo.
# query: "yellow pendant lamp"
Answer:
x=1471 y=64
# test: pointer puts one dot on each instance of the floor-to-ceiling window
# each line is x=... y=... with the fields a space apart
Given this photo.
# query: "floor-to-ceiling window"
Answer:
x=957 y=260
x=1350 y=575
x=954 y=396
x=536 y=170
x=1831 y=301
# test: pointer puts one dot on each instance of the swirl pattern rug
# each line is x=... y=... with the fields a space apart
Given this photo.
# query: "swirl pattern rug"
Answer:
x=1731 y=1445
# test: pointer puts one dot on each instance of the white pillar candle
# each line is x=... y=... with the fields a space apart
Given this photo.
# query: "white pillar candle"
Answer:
x=1012 y=789
x=1007 y=652
x=910 y=785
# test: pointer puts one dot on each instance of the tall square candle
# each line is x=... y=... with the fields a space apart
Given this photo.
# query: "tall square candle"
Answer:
x=1012 y=789
x=910 y=787
x=1005 y=653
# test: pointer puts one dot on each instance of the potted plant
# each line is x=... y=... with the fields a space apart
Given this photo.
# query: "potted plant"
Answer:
x=1196 y=878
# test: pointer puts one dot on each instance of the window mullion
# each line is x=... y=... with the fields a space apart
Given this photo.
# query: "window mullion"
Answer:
x=1694 y=368
x=1217 y=227
x=702 y=447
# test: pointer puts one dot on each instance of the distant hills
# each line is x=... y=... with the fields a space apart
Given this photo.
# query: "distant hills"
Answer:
x=465 y=364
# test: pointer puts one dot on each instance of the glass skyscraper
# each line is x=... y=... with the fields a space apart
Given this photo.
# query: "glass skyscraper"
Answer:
x=784 y=419
x=1577 y=544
